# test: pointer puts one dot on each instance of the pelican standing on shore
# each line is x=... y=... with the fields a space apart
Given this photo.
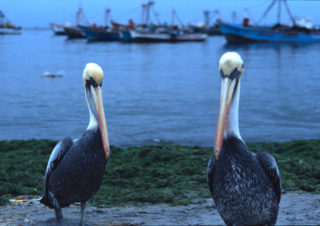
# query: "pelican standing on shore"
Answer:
x=246 y=187
x=76 y=167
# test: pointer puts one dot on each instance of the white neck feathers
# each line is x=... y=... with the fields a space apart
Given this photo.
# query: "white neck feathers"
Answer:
x=232 y=124
x=93 y=121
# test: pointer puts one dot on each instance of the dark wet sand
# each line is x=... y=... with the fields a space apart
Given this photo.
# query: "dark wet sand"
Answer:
x=295 y=209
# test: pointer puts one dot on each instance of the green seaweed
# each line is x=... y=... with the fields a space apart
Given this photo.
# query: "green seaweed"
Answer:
x=170 y=174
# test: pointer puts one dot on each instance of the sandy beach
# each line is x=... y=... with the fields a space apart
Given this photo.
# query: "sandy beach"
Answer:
x=295 y=209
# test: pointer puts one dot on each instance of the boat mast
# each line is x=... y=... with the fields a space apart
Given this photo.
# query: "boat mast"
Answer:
x=267 y=11
x=156 y=15
x=279 y=12
x=2 y=17
x=217 y=14
x=81 y=18
x=289 y=12
x=143 y=12
x=150 y=3
x=175 y=16
x=106 y=17
x=206 y=17
x=235 y=18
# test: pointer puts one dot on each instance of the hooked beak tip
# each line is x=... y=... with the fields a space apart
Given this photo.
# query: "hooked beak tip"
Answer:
x=107 y=154
x=216 y=153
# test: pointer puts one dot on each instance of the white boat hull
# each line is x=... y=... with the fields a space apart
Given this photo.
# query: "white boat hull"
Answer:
x=58 y=29
x=137 y=36
x=152 y=37
x=9 y=31
x=191 y=37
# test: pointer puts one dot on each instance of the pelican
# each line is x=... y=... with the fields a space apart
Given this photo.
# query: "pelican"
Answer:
x=245 y=187
x=75 y=168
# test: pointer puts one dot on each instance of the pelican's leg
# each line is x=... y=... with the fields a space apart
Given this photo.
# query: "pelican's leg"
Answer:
x=83 y=212
x=57 y=208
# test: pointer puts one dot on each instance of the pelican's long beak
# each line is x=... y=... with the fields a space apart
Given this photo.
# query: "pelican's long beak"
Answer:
x=231 y=69
x=97 y=97
x=227 y=92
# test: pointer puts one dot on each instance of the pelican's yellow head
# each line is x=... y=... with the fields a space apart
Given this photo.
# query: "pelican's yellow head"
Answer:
x=93 y=72
x=231 y=65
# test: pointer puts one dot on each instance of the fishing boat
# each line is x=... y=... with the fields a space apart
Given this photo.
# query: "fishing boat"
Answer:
x=191 y=37
x=6 y=27
x=124 y=29
x=163 y=34
x=143 y=31
x=207 y=27
x=9 y=29
x=296 y=33
x=58 y=29
x=125 y=35
x=75 y=32
x=182 y=33
x=235 y=33
x=149 y=32
x=100 y=33
x=70 y=31
x=209 y=30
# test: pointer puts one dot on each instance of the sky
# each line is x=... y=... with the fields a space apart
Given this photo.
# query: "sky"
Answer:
x=31 y=13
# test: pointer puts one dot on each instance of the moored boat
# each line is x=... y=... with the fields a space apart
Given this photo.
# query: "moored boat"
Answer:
x=74 y=32
x=58 y=29
x=206 y=27
x=102 y=33
x=298 y=32
x=163 y=34
x=235 y=33
x=193 y=37
x=123 y=29
x=209 y=30
x=144 y=34
x=95 y=33
x=125 y=35
x=149 y=32
x=8 y=28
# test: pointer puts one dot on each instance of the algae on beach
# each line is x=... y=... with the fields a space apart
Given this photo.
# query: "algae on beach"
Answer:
x=152 y=174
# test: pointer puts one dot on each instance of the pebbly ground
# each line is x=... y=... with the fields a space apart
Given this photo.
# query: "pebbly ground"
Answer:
x=295 y=209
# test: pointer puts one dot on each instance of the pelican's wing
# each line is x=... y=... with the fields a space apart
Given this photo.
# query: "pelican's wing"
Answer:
x=56 y=156
x=210 y=173
x=270 y=167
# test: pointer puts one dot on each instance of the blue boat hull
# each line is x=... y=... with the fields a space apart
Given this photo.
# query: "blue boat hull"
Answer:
x=125 y=35
x=100 y=35
x=235 y=33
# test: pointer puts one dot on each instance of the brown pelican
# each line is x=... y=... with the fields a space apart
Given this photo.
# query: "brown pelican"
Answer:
x=245 y=186
x=75 y=168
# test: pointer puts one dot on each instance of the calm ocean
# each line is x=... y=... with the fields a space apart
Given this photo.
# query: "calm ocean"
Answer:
x=167 y=93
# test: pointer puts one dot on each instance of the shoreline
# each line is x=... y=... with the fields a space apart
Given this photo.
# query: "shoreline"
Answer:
x=171 y=174
x=296 y=208
x=161 y=142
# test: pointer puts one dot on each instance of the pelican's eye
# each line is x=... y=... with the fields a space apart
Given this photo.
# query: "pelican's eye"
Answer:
x=92 y=82
x=233 y=75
